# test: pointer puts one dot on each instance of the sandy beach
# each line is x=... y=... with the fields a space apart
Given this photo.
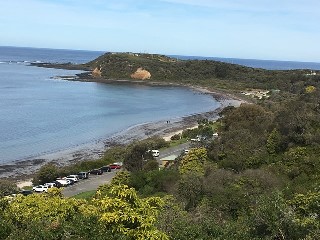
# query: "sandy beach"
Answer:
x=22 y=170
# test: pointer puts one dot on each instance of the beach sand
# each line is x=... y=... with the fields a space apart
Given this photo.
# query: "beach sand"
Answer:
x=21 y=171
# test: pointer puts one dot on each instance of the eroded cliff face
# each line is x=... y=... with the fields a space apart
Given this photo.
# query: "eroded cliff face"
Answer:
x=96 y=73
x=141 y=74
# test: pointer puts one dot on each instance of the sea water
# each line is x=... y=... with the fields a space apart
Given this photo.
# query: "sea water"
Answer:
x=40 y=114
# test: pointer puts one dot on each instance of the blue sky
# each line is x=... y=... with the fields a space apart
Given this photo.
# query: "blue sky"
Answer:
x=257 y=29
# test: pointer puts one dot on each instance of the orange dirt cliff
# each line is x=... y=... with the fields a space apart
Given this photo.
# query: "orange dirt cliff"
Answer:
x=141 y=74
x=96 y=72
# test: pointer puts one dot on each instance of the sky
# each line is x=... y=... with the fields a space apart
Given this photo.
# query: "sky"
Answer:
x=251 y=29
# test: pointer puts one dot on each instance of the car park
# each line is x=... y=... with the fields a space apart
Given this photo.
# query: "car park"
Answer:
x=40 y=188
x=96 y=171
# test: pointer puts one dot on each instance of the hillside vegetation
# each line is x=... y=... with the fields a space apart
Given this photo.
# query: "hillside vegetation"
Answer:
x=206 y=73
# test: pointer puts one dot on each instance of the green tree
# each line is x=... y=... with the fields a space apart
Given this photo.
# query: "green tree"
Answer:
x=151 y=165
x=7 y=187
x=190 y=189
x=135 y=157
x=272 y=218
x=307 y=209
x=274 y=142
x=47 y=173
x=124 y=212
x=194 y=161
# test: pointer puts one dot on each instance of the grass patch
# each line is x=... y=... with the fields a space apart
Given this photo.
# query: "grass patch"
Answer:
x=85 y=195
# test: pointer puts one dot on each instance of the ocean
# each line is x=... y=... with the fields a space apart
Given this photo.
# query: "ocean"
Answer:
x=255 y=63
x=40 y=113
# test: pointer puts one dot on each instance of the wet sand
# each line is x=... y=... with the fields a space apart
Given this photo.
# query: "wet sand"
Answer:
x=23 y=169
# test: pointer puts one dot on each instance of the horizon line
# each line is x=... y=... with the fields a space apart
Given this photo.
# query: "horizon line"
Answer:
x=169 y=55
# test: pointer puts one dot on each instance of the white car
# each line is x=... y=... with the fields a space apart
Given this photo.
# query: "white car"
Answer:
x=155 y=153
x=118 y=163
x=75 y=178
x=64 y=182
x=197 y=139
x=41 y=188
x=50 y=184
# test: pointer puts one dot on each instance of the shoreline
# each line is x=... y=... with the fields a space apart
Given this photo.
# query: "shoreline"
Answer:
x=21 y=170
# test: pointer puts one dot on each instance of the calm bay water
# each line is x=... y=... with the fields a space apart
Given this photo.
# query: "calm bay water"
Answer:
x=39 y=114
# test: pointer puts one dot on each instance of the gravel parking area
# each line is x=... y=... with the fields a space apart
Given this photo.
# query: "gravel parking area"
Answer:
x=92 y=183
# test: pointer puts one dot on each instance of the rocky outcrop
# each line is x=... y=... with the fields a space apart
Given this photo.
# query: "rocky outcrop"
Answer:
x=141 y=74
x=96 y=73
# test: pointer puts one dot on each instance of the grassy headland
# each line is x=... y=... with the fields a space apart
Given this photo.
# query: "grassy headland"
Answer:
x=166 y=70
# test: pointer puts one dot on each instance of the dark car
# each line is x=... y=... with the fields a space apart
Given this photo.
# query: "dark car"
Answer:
x=57 y=184
x=96 y=171
x=114 y=166
x=83 y=175
x=105 y=169
x=71 y=182
x=26 y=192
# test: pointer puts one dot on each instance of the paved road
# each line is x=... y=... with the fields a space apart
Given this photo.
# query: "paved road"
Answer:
x=95 y=181
x=92 y=183
x=174 y=150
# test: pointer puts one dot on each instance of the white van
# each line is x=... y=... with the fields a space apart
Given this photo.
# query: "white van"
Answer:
x=155 y=153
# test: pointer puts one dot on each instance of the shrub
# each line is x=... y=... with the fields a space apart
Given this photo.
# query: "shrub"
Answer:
x=176 y=137
x=7 y=187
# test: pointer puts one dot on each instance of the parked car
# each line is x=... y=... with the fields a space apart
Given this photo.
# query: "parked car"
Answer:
x=105 y=169
x=58 y=184
x=83 y=175
x=40 y=188
x=74 y=178
x=186 y=151
x=63 y=182
x=154 y=153
x=26 y=192
x=51 y=184
x=114 y=166
x=96 y=171
x=118 y=163
x=197 y=139
x=69 y=181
